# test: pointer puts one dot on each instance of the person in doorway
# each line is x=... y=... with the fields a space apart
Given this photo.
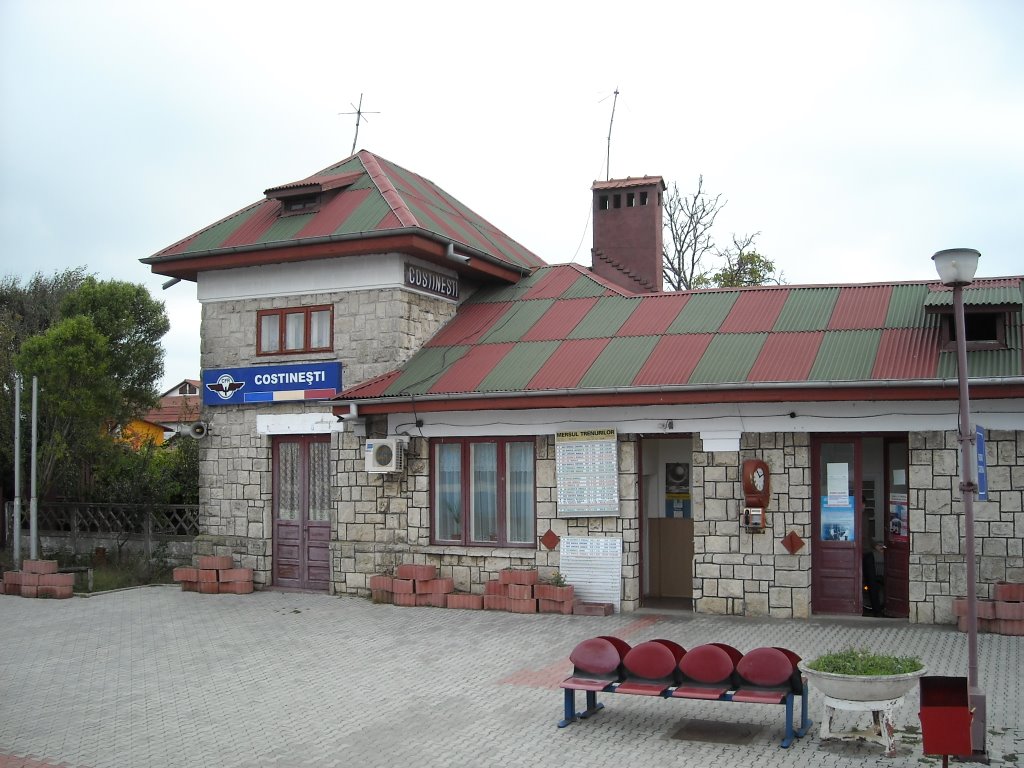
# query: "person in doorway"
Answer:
x=868 y=548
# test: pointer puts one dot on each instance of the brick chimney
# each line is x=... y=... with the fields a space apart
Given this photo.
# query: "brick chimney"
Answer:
x=627 y=232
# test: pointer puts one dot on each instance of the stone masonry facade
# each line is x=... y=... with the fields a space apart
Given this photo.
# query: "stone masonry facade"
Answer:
x=374 y=332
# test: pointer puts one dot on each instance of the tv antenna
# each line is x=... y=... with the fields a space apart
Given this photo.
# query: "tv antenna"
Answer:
x=608 y=160
x=360 y=116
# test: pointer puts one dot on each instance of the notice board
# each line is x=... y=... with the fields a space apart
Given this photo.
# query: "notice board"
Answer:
x=587 y=473
x=593 y=565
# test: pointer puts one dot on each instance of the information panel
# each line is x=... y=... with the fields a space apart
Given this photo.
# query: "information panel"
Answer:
x=587 y=470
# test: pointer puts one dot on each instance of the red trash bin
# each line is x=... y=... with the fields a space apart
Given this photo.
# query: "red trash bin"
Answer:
x=945 y=716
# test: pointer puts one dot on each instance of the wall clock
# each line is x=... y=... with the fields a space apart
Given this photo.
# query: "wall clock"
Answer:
x=757 y=486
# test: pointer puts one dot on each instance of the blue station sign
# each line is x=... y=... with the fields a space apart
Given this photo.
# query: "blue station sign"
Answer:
x=271 y=383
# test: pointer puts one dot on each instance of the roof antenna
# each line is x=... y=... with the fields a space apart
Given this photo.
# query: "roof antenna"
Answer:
x=360 y=115
x=608 y=161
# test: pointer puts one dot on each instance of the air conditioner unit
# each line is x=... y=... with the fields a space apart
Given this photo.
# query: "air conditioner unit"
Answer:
x=385 y=454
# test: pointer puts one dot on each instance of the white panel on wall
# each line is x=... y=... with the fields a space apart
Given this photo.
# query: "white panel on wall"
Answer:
x=593 y=565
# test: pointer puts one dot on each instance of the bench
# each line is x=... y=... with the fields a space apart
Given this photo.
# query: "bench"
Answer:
x=663 y=668
x=86 y=569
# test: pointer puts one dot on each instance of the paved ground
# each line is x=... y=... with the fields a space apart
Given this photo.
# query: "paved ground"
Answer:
x=155 y=677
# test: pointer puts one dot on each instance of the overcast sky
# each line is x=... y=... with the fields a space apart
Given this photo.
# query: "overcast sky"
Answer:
x=858 y=138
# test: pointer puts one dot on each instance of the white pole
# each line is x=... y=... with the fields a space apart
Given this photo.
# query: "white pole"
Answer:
x=17 y=471
x=33 y=509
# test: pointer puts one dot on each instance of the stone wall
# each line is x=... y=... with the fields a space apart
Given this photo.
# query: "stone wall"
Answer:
x=374 y=332
x=937 y=567
x=384 y=521
x=744 y=573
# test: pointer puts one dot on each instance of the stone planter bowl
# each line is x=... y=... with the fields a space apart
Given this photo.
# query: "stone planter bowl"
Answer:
x=862 y=687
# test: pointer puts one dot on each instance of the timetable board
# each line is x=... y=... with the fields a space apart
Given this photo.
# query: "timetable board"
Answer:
x=587 y=472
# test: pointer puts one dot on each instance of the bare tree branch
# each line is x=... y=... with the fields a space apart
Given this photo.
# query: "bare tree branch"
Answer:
x=688 y=223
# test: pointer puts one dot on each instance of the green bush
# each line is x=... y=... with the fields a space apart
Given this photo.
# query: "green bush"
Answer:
x=861 y=661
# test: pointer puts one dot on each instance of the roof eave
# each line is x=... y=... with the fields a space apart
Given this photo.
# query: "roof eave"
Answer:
x=425 y=244
x=927 y=389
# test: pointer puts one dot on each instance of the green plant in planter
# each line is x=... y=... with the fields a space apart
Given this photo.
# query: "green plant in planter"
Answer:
x=556 y=579
x=862 y=662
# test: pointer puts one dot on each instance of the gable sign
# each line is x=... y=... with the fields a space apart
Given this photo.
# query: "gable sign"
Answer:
x=435 y=283
x=271 y=383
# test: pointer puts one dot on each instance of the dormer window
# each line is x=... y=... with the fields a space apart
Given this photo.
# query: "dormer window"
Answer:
x=987 y=310
x=300 y=204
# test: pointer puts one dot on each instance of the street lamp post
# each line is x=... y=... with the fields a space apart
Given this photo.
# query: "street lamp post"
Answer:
x=956 y=268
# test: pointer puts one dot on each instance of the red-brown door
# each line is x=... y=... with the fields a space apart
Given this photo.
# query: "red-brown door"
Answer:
x=302 y=516
x=897 y=529
x=836 y=518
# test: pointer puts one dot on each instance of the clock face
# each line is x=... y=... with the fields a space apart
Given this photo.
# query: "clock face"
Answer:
x=758 y=478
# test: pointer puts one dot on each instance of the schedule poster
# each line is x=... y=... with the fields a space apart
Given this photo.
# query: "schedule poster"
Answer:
x=587 y=471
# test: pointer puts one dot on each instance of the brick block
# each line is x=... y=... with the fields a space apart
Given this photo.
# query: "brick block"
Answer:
x=215 y=562
x=206 y=575
x=986 y=608
x=56 y=580
x=381 y=596
x=495 y=587
x=209 y=587
x=416 y=571
x=438 y=586
x=56 y=592
x=495 y=603
x=12 y=577
x=29 y=579
x=1010 y=627
x=39 y=566
x=402 y=586
x=234 y=574
x=468 y=602
x=29 y=590
x=11 y=589
x=551 y=592
x=1007 y=592
x=520 y=592
x=235 y=587
x=522 y=606
x=525 y=576
x=381 y=583
x=186 y=574
x=555 y=606
x=583 y=608
x=432 y=599
x=1009 y=611
x=407 y=599
x=190 y=586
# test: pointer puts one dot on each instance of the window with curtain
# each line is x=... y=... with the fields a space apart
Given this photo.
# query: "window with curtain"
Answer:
x=294 y=329
x=483 y=491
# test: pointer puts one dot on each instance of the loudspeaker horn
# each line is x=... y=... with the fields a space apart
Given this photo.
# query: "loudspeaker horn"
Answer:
x=198 y=430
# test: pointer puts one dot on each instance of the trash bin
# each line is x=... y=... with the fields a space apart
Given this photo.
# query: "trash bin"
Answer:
x=945 y=716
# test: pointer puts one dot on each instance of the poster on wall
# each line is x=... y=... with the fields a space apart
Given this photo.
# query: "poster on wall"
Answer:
x=837 y=522
x=677 y=490
x=899 y=529
x=587 y=472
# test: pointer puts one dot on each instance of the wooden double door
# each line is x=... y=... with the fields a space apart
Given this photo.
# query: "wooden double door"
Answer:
x=302 y=512
x=859 y=483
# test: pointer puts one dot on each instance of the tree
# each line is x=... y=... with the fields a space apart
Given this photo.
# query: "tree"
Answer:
x=25 y=310
x=690 y=247
x=94 y=345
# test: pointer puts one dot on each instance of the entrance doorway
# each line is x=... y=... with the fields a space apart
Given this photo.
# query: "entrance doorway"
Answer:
x=667 y=523
x=302 y=512
x=860 y=499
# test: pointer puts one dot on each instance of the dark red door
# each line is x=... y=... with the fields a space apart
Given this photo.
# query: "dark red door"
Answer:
x=897 y=529
x=836 y=518
x=302 y=516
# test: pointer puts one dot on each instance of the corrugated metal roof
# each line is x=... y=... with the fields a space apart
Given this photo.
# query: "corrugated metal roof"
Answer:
x=860 y=306
x=846 y=356
x=384 y=196
x=980 y=295
x=565 y=330
x=568 y=364
x=755 y=311
x=786 y=356
x=620 y=361
x=560 y=319
x=807 y=309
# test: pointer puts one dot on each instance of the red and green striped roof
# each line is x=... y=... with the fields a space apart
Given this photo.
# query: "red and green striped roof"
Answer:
x=563 y=331
x=364 y=196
